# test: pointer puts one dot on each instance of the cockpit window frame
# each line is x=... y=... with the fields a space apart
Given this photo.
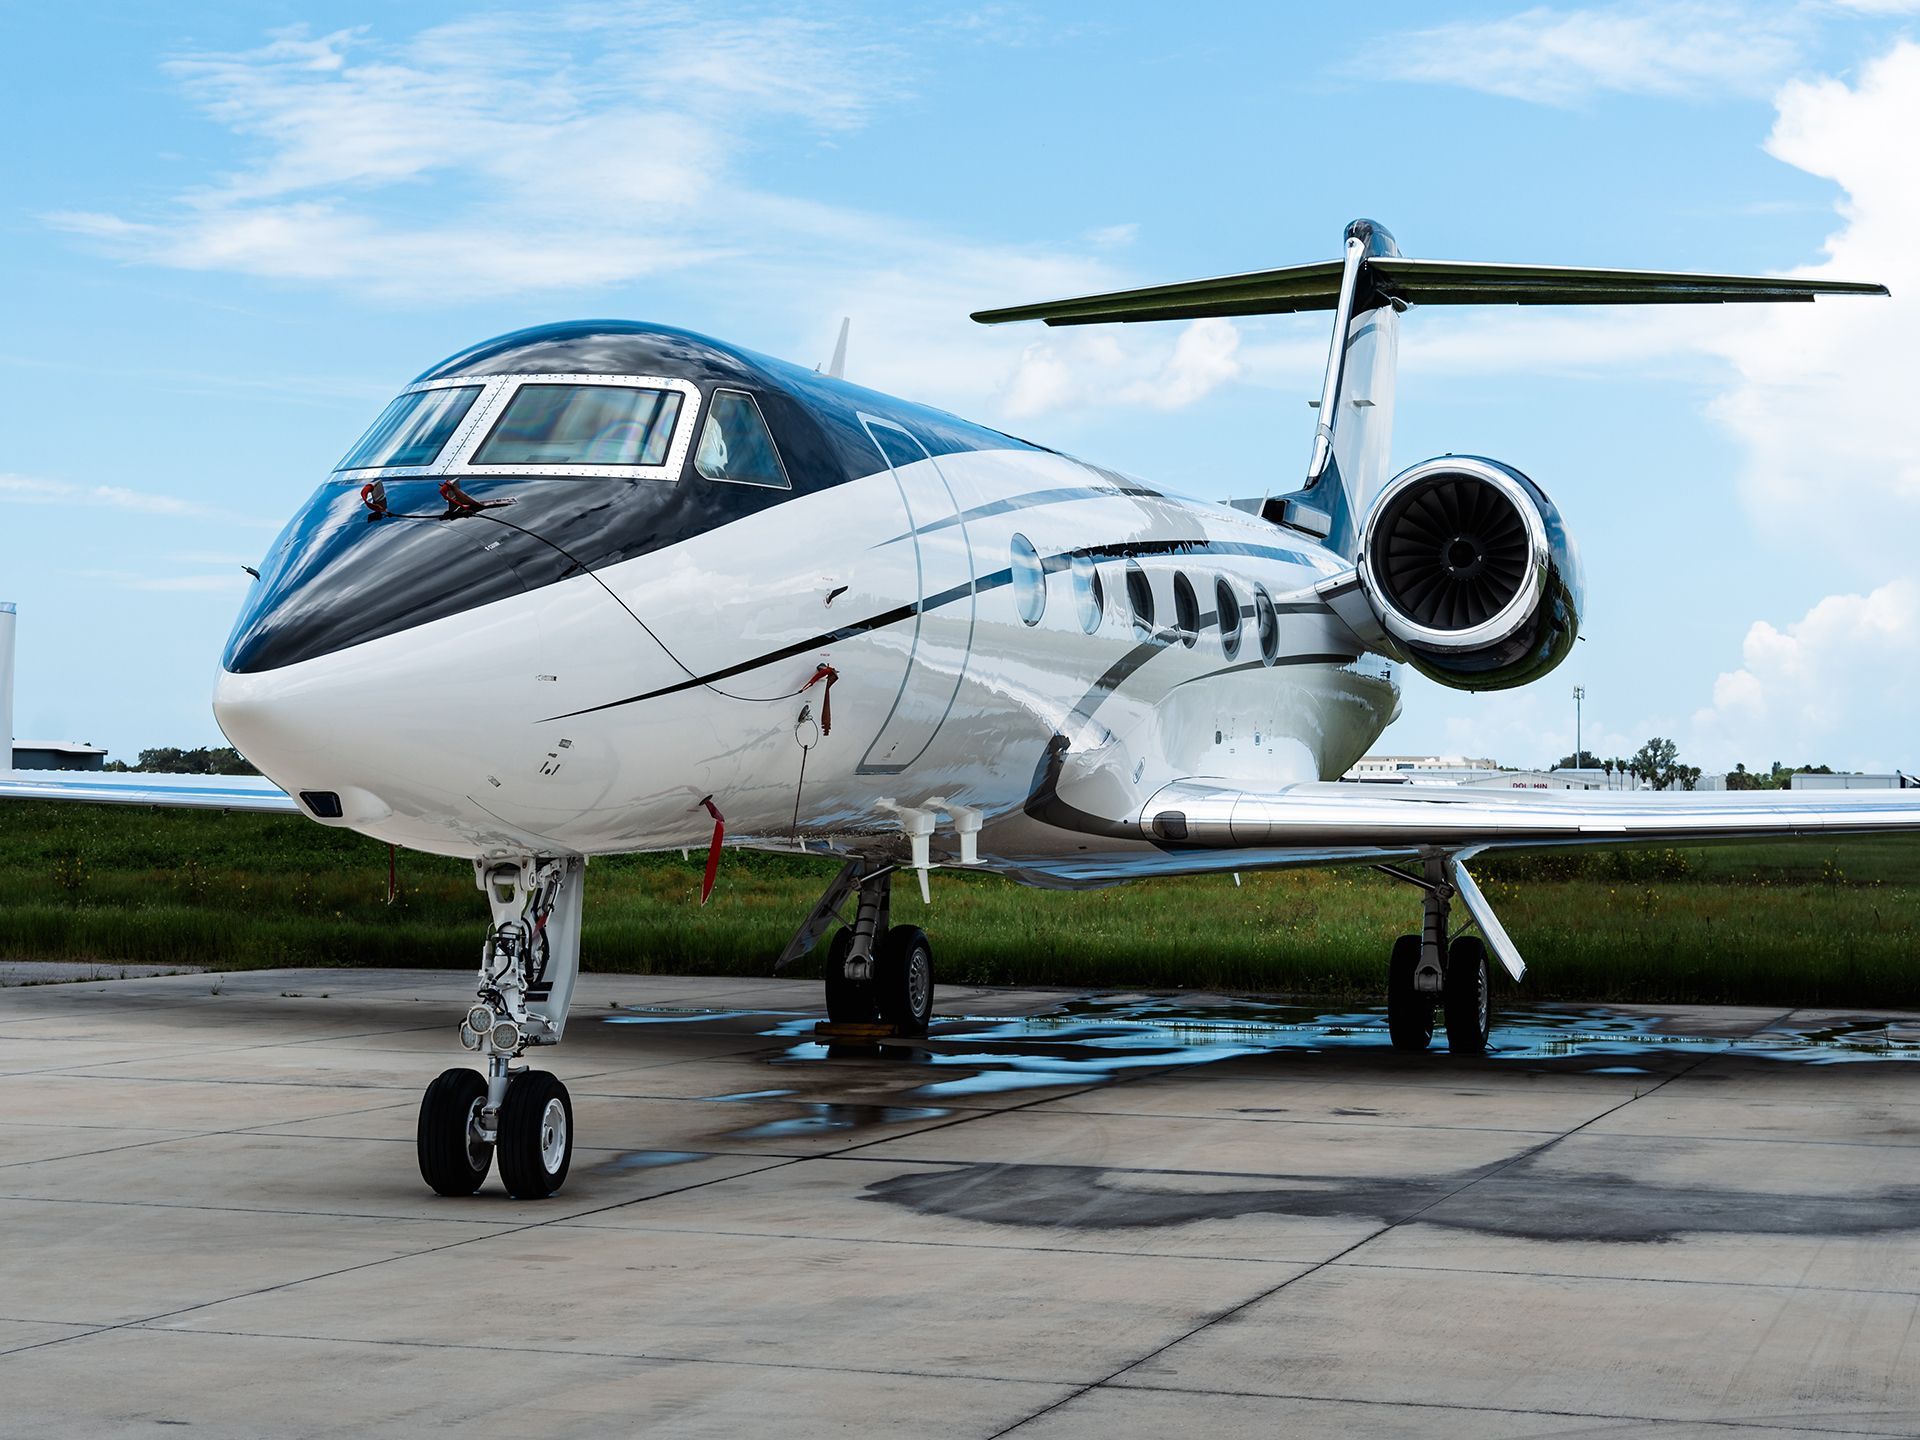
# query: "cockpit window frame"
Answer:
x=456 y=443
x=456 y=456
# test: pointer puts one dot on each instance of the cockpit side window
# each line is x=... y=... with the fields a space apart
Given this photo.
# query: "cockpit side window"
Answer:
x=582 y=425
x=736 y=446
x=413 y=430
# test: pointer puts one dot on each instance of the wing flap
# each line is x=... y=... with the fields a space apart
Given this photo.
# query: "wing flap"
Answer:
x=192 y=792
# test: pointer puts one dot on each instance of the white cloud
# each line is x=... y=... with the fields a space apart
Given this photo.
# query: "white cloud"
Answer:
x=1839 y=685
x=570 y=147
x=1562 y=57
x=226 y=582
x=1081 y=369
x=588 y=147
x=1823 y=401
x=30 y=490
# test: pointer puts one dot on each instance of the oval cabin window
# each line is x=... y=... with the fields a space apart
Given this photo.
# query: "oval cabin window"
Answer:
x=1029 y=581
x=1186 y=610
x=1226 y=604
x=1140 y=600
x=1089 y=595
x=1267 y=623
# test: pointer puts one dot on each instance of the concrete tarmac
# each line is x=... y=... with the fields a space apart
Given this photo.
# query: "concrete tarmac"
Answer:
x=1061 y=1215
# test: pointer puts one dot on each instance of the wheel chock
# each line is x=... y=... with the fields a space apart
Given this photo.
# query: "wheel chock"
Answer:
x=860 y=1030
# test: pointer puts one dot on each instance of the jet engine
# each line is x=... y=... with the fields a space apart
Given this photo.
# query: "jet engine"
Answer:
x=1468 y=569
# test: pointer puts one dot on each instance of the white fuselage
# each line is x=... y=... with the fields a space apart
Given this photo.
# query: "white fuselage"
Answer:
x=594 y=715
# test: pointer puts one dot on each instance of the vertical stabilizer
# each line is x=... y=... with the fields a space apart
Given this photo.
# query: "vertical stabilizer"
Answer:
x=1353 y=432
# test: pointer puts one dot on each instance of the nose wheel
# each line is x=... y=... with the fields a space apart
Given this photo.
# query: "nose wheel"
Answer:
x=531 y=1136
x=455 y=1151
x=536 y=1135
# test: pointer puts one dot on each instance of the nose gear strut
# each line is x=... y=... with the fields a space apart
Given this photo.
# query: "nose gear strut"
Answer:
x=519 y=1116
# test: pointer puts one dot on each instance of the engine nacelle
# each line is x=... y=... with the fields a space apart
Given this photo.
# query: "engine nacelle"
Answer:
x=1470 y=572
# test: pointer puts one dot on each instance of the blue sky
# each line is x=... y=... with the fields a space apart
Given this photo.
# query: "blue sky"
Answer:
x=228 y=232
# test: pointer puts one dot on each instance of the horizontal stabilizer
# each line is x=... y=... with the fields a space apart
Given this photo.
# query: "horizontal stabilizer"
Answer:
x=1421 y=282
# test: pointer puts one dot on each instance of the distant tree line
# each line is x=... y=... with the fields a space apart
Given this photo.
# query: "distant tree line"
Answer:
x=1657 y=763
x=171 y=760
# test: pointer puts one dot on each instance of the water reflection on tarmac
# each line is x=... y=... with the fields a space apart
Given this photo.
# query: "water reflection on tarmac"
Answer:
x=1086 y=1040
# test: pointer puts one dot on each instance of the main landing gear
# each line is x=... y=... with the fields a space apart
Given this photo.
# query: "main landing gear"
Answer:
x=1427 y=974
x=876 y=972
x=520 y=1117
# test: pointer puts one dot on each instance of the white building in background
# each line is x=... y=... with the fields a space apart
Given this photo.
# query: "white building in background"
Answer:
x=1895 y=781
x=1419 y=769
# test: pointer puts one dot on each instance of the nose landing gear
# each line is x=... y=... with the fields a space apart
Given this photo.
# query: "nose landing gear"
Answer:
x=519 y=1116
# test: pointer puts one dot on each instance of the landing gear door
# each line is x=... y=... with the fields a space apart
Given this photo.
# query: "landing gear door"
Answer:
x=940 y=634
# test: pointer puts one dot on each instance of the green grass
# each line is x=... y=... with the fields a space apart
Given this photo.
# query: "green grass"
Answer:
x=1791 y=923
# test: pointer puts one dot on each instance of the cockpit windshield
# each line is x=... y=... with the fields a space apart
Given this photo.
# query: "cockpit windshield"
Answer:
x=583 y=425
x=413 y=430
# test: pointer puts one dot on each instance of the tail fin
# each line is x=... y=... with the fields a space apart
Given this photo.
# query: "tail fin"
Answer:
x=1368 y=288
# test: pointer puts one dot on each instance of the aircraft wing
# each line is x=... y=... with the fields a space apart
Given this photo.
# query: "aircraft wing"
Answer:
x=193 y=792
x=1406 y=819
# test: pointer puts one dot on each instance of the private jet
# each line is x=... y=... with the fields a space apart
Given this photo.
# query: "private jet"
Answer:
x=603 y=587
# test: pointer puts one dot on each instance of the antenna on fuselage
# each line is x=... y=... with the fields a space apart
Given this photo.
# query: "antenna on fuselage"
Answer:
x=837 y=366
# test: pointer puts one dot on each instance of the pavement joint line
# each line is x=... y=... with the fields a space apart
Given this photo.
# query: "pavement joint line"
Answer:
x=1315 y=1269
x=383 y=1218
x=1794 y=1427
x=194 y=1134
x=1073 y=1250
x=1795 y=1287
x=103 y=1150
x=1880 y=1145
x=648 y=1356
x=147 y=1321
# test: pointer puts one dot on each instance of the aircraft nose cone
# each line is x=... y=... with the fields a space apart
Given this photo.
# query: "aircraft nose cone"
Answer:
x=302 y=738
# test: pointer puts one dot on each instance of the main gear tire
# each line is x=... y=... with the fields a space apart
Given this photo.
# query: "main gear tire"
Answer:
x=1468 y=996
x=903 y=979
x=849 y=1002
x=1409 y=1011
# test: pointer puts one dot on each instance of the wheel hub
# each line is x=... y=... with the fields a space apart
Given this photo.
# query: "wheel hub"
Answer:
x=479 y=1148
x=553 y=1135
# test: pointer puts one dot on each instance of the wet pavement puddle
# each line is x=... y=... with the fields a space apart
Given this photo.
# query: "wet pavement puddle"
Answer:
x=1089 y=1042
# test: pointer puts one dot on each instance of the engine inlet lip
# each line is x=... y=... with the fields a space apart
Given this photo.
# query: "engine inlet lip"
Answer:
x=1503 y=622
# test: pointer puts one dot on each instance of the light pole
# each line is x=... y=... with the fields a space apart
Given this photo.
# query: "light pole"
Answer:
x=1579 y=752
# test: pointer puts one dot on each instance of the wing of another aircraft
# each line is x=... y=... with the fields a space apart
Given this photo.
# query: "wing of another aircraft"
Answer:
x=192 y=792
x=1411 y=818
